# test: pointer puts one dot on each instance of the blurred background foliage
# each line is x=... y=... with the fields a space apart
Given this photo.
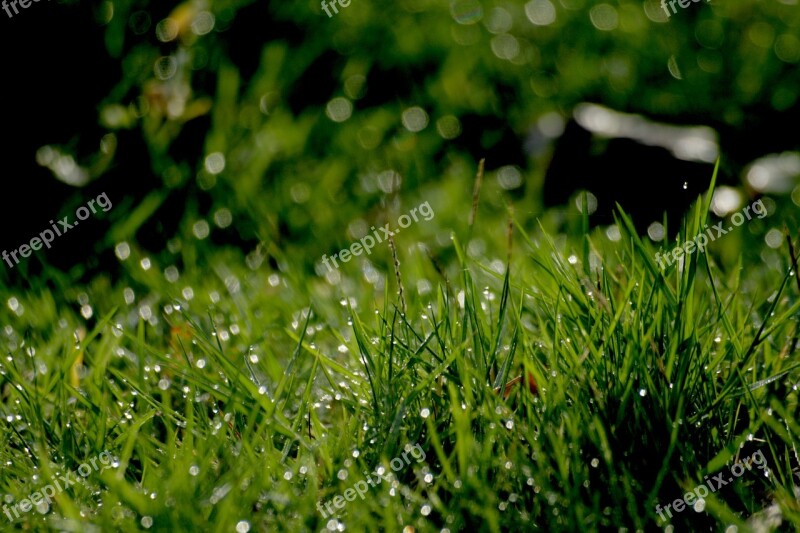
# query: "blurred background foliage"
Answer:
x=257 y=122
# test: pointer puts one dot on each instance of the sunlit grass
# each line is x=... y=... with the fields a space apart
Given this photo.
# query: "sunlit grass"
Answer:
x=237 y=398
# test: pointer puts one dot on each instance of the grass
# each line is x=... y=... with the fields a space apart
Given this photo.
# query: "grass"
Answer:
x=239 y=395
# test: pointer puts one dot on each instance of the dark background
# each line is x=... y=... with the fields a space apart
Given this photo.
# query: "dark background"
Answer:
x=64 y=63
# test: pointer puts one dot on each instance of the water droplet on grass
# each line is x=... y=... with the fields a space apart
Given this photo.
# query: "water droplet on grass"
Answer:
x=122 y=251
x=699 y=505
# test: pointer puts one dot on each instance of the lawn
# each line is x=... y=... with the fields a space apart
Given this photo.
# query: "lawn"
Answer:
x=326 y=288
x=244 y=397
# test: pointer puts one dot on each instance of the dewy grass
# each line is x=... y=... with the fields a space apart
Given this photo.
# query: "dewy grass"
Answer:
x=696 y=497
x=361 y=486
x=255 y=392
x=44 y=497
x=702 y=239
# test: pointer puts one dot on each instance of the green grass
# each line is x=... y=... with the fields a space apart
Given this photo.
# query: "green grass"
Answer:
x=244 y=392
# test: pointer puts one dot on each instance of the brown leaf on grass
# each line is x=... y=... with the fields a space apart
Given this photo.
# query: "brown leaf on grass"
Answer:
x=508 y=388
